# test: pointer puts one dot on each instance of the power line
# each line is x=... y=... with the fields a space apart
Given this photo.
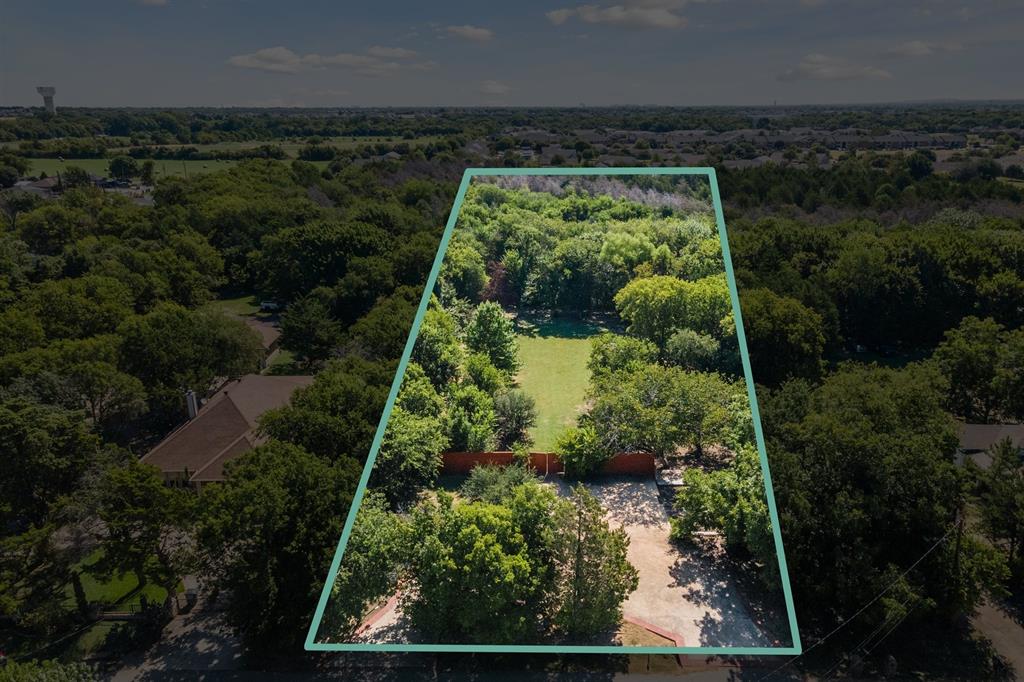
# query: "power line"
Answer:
x=882 y=626
x=863 y=608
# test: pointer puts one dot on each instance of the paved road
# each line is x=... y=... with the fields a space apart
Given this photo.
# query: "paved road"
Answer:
x=192 y=646
x=1006 y=634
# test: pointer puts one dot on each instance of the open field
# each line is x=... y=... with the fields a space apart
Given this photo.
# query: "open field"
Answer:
x=554 y=354
x=99 y=166
x=241 y=306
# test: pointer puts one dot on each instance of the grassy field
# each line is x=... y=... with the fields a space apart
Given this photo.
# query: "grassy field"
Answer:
x=99 y=166
x=241 y=305
x=119 y=589
x=554 y=372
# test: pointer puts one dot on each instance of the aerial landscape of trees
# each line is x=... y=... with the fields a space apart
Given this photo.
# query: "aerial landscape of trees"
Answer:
x=666 y=383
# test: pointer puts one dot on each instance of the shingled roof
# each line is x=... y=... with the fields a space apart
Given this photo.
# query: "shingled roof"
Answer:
x=224 y=428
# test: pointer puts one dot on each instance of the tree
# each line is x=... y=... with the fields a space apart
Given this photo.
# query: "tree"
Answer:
x=471 y=573
x=491 y=332
x=471 y=420
x=611 y=353
x=1009 y=379
x=112 y=398
x=172 y=348
x=655 y=307
x=784 y=337
x=692 y=350
x=463 y=273
x=337 y=417
x=702 y=408
x=496 y=484
x=308 y=329
x=1002 y=498
x=123 y=167
x=968 y=358
x=142 y=519
x=410 y=455
x=730 y=500
x=76 y=176
x=516 y=413
x=295 y=260
x=865 y=485
x=369 y=567
x=147 y=174
x=638 y=411
x=45 y=450
x=267 y=535
x=437 y=349
x=47 y=671
x=593 y=575
x=485 y=375
x=35 y=573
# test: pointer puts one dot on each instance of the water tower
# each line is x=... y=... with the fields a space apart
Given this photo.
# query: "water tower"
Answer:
x=47 y=92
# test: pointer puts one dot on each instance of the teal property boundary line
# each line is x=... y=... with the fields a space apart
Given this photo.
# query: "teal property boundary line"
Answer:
x=312 y=645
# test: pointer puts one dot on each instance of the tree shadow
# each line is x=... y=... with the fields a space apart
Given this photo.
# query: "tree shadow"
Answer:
x=547 y=324
x=629 y=501
x=719 y=583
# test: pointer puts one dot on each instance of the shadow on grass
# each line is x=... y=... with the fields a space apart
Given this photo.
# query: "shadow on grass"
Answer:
x=546 y=324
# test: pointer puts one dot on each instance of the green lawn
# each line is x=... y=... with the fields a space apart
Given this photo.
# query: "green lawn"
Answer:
x=119 y=589
x=242 y=306
x=99 y=166
x=554 y=372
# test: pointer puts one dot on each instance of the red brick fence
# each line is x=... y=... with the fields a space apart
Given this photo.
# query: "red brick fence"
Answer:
x=623 y=464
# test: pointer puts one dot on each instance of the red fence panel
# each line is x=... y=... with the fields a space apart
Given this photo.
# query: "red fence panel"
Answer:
x=544 y=463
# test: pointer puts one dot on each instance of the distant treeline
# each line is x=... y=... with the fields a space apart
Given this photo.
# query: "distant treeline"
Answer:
x=200 y=126
x=882 y=182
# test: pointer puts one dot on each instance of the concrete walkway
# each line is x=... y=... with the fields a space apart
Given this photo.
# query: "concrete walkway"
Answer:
x=1005 y=633
x=682 y=590
x=196 y=643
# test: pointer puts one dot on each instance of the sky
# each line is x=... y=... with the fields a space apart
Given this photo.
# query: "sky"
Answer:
x=313 y=53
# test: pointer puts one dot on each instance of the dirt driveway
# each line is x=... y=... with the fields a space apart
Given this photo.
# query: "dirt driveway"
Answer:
x=682 y=590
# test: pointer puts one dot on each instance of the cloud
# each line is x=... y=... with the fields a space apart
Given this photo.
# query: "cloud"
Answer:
x=282 y=60
x=277 y=59
x=494 y=88
x=824 y=68
x=474 y=33
x=630 y=13
x=920 y=48
x=391 y=52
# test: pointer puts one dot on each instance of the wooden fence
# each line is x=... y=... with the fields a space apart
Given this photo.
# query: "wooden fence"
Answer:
x=623 y=464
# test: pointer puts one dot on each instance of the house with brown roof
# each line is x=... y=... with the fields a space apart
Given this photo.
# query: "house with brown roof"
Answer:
x=222 y=429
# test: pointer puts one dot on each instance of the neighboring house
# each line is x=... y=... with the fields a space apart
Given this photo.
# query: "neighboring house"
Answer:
x=270 y=335
x=222 y=429
x=977 y=439
x=47 y=188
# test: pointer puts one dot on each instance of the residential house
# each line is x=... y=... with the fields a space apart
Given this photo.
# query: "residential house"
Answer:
x=221 y=429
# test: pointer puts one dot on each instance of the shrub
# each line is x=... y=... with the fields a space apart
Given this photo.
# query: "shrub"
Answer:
x=581 y=451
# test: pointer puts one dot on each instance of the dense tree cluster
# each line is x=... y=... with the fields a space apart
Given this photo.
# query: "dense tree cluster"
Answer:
x=507 y=561
x=106 y=323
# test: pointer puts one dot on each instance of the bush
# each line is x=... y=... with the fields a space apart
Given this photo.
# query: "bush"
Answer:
x=516 y=412
x=692 y=350
x=494 y=484
x=581 y=451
